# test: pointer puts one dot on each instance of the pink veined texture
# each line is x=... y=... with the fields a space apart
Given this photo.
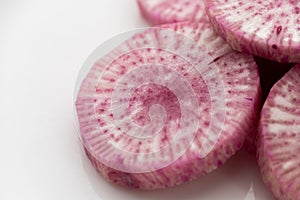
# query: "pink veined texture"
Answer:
x=171 y=11
x=279 y=137
x=238 y=72
x=268 y=29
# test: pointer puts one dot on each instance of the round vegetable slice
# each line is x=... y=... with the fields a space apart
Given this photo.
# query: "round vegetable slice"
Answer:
x=279 y=137
x=171 y=11
x=168 y=105
x=268 y=29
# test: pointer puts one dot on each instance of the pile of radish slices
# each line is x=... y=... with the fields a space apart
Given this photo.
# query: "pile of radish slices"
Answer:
x=176 y=101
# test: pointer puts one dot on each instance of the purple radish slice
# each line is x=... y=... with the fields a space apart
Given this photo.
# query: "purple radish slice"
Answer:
x=279 y=137
x=170 y=11
x=158 y=86
x=268 y=29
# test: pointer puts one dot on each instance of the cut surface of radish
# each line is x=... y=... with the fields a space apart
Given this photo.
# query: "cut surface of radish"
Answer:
x=168 y=105
x=171 y=11
x=268 y=29
x=279 y=137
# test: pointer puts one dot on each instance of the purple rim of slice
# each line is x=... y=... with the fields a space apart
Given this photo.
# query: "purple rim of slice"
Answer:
x=268 y=29
x=171 y=11
x=279 y=137
x=214 y=72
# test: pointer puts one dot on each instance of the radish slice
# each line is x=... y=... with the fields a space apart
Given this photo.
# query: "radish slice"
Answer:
x=170 y=11
x=168 y=105
x=279 y=137
x=268 y=29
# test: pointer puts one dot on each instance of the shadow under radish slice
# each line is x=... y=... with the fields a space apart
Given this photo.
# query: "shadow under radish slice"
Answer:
x=170 y=11
x=269 y=73
x=166 y=106
x=279 y=137
x=268 y=29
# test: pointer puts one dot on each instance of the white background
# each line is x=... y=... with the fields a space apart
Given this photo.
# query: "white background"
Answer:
x=42 y=47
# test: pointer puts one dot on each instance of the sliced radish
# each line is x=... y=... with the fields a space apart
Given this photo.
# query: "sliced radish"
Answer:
x=170 y=11
x=279 y=137
x=268 y=29
x=168 y=105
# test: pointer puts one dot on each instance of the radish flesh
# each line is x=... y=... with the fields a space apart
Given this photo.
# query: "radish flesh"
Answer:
x=167 y=106
x=268 y=29
x=279 y=137
x=171 y=11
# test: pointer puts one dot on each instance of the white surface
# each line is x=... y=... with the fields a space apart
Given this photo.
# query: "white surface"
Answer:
x=42 y=47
